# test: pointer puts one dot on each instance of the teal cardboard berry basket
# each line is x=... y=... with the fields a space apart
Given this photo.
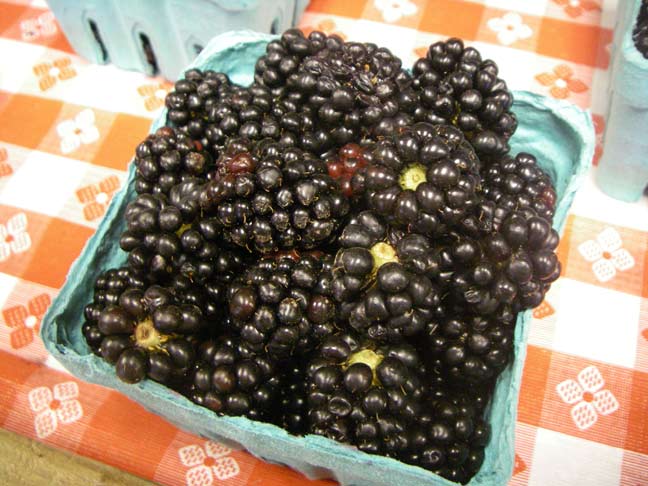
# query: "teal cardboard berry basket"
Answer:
x=623 y=169
x=562 y=137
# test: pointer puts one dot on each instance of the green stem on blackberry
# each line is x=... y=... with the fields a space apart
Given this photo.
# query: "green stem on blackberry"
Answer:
x=412 y=176
x=147 y=337
x=383 y=253
x=183 y=228
x=368 y=357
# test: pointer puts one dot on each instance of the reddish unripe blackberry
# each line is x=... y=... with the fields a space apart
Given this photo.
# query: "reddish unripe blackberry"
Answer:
x=344 y=163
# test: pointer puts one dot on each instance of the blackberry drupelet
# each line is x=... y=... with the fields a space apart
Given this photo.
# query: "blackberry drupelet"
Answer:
x=231 y=380
x=345 y=162
x=150 y=332
x=450 y=435
x=284 y=200
x=282 y=306
x=515 y=265
x=108 y=288
x=365 y=395
x=292 y=406
x=166 y=158
x=640 y=32
x=518 y=182
x=472 y=349
x=424 y=178
x=455 y=85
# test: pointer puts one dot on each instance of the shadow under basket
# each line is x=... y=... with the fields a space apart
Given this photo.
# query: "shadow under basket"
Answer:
x=559 y=134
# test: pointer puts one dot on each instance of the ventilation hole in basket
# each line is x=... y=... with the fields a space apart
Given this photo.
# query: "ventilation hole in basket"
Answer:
x=197 y=49
x=97 y=35
x=149 y=54
x=274 y=27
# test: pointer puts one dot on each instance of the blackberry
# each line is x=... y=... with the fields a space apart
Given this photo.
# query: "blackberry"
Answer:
x=515 y=265
x=640 y=32
x=367 y=244
x=282 y=306
x=292 y=408
x=286 y=200
x=149 y=332
x=472 y=349
x=365 y=395
x=330 y=92
x=209 y=108
x=424 y=178
x=456 y=86
x=344 y=163
x=166 y=158
x=450 y=435
x=231 y=380
x=519 y=182
x=108 y=288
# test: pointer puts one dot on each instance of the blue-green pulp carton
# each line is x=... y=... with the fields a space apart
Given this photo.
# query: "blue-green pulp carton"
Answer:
x=163 y=36
x=623 y=169
x=562 y=137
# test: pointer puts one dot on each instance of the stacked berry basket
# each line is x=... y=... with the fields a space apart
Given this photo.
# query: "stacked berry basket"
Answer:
x=623 y=172
x=331 y=266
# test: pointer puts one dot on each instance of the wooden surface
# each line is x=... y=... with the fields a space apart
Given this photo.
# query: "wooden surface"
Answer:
x=29 y=463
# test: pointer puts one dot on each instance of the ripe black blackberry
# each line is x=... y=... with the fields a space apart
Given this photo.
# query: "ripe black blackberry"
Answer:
x=518 y=182
x=209 y=108
x=424 y=178
x=640 y=32
x=472 y=349
x=231 y=380
x=292 y=406
x=514 y=265
x=166 y=158
x=367 y=243
x=450 y=435
x=365 y=395
x=330 y=92
x=456 y=86
x=284 y=200
x=167 y=238
x=282 y=306
x=108 y=288
x=148 y=332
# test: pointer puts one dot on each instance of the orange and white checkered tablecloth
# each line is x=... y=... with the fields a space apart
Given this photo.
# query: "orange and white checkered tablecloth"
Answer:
x=68 y=129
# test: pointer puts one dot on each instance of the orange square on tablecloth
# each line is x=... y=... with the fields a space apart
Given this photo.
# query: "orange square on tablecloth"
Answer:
x=594 y=401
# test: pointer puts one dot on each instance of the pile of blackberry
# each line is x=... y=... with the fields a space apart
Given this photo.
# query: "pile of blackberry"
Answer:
x=342 y=248
x=640 y=32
